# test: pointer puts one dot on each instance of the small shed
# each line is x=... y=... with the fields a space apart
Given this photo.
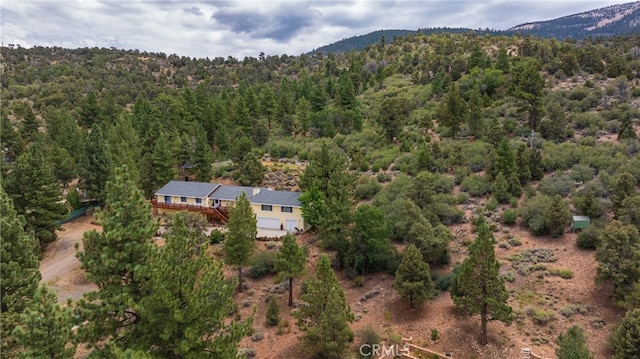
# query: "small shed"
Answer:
x=580 y=222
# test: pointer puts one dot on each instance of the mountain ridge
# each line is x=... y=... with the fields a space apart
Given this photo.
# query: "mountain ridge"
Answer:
x=619 y=19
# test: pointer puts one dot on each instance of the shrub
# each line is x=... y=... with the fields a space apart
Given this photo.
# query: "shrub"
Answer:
x=492 y=205
x=557 y=184
x=571 y=309
x=369 y=336
x=533 y=214
x=538 y=255
x=588 y=238
x=562 y=273
x=476 y=185
x=262 y=264
x=273 y=312
x=541 y=316
x=509 y=216
x=216 y=237
x=367 y=188
x=442 y=282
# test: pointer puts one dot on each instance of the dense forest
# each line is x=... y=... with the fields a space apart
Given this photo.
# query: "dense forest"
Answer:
x=396 y=140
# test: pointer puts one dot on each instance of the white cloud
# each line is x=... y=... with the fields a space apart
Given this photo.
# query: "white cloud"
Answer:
x=245 y=28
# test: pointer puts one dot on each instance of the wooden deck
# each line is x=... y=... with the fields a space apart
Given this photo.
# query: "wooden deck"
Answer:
x=211 y=212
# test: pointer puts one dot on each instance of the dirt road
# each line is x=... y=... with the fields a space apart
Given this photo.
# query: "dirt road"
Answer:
x=60 y=268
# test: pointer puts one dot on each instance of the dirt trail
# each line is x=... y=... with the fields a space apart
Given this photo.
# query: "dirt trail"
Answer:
x=60 y=268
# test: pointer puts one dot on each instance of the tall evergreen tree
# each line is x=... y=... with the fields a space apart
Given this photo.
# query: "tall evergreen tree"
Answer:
x=557 y=216
x=36 y=194
x=241 y=235
x=474 y=118
x=393 y=116
x=95 y=165
x=413 y=277
x=573 y=345
x=123 y=145
x=505 y=159
x=185 y=312
x=327 y=172
x=46 y=328
x=29 y=127
x=618 y=256
x=114 y=260
x=625 y=339
x=478 y=287
x=452 y=111
x=325 y=319
x=290 y=261
x=20 y=272
x=369 y=249
x=158 y=166
x=528 y=86
x=202 y=156
x=251 y=170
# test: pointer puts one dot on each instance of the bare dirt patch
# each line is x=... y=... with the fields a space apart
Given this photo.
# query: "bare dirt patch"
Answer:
x=59 y=267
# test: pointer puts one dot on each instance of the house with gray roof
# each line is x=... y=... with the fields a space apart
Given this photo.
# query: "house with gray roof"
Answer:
x=274 y=209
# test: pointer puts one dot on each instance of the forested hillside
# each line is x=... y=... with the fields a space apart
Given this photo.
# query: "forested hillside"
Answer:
x=421 y=158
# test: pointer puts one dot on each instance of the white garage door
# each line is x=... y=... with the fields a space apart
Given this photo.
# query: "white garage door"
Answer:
x=272 y=223
x=291 y=224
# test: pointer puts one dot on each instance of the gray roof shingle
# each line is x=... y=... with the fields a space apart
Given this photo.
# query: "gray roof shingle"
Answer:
x=282 y=198
x=231 y=193
x=187 y=189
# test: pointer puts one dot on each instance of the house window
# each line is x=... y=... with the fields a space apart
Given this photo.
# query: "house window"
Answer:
x=286 y=209
x=267 y=207
x=183 y=199
x=199 y=200
x=167 y=199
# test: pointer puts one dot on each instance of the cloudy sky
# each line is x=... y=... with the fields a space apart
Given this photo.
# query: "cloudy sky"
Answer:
x=242 y=28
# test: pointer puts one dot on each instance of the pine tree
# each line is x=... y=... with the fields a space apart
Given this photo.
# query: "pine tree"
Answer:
x=333 y=331
x=273 y=312
x=95 y=166
x=625 y=339
x=535 y=165
x=327 y=172
x=523 y=164
x=573 y=344
x=413 y=277
x=185 y=312
x=123 y=145
x=624 y=186
x=501 y=189
x=20 y=272
x=290 y=262
x=202 y=156
x=241 y=235
x=369 y=249
x=528 y=86
x=114 y=259
x=46 y=328
x=158 y=166
x=475 y=111
x=478 y=287
x=251 y=170
x=36 y=194
x=505 y=159
x=557 y=216
x=29 y=128
x=618 y=256
x=452 y=111
x=324 y=320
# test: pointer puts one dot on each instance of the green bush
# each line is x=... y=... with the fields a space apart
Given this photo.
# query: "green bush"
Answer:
x=562 y=273
x=443 y=281
x=476 y=185
x=367 y=188
x=588 y=238
x=263 y=263
x=556 y=184
x=509 y=216
x=540 y=316
x=273 y=312
x=216 y=237
x=368 y=336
